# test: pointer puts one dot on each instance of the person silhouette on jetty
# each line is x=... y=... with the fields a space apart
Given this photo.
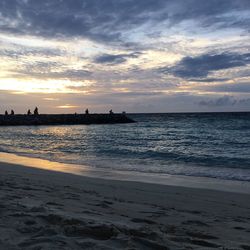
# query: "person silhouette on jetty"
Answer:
x=12 y=112
x=86 y=112
x=111 y=112
x=36 y=111
x=6 y=112
x=29 y=112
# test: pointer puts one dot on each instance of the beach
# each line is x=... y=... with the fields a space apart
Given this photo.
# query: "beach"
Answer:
x=42 y=209
x=124 y=125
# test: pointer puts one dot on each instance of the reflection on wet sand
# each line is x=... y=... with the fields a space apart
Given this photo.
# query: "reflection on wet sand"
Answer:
x=132 y=176
x=42 y=164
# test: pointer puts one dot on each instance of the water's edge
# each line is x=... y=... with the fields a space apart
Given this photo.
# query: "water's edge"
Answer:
x=162 y=179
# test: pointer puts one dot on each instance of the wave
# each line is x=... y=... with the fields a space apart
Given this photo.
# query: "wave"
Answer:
x=194 y=145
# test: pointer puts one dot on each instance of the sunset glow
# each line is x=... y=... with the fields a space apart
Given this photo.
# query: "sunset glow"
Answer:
x=106 y=63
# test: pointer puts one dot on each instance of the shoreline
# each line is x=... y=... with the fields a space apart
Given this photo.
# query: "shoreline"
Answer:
x=133 y=176
x=43 y=209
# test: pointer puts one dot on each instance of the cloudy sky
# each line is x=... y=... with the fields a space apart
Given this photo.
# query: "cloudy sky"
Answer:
x=133 y=55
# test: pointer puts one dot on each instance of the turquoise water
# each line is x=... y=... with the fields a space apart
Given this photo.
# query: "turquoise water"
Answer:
x=212 y=145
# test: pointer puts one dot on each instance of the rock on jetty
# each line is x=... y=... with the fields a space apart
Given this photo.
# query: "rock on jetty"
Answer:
x=63 y=119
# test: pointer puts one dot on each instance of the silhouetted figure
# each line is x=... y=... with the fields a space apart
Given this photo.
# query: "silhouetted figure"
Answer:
x=12 y=112
x=6 y=112
x=29 y=112
x=124 y=113
x=111 y=112
x=86 y=112
x=36 y=111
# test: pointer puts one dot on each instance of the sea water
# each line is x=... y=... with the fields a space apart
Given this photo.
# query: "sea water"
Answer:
x=199 y=144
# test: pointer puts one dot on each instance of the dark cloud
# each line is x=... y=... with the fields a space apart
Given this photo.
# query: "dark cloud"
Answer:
x=245 y=102
x=212 y=12
x=107 y=20
x=225 y=101
x=201 y=66
x=222 y=101
x=234 y=88
x=208 y=80
x=115 y=59
x=94 y=19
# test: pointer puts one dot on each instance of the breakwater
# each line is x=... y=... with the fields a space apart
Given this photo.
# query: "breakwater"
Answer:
x=63 y=119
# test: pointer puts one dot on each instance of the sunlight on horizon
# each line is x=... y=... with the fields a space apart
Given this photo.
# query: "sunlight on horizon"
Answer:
x=168 y=61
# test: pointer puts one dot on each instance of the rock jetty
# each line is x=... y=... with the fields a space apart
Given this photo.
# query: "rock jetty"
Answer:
x=63 y=119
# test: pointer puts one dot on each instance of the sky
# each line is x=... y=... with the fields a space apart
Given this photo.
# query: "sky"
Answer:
x=127 y=55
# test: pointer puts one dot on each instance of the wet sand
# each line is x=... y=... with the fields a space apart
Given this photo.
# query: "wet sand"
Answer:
x=43 y=209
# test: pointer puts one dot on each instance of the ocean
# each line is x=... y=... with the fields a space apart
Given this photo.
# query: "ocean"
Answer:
x=213 y=145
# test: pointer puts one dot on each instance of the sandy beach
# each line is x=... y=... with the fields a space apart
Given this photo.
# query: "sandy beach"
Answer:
x=42 y=209
x=124 y=124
